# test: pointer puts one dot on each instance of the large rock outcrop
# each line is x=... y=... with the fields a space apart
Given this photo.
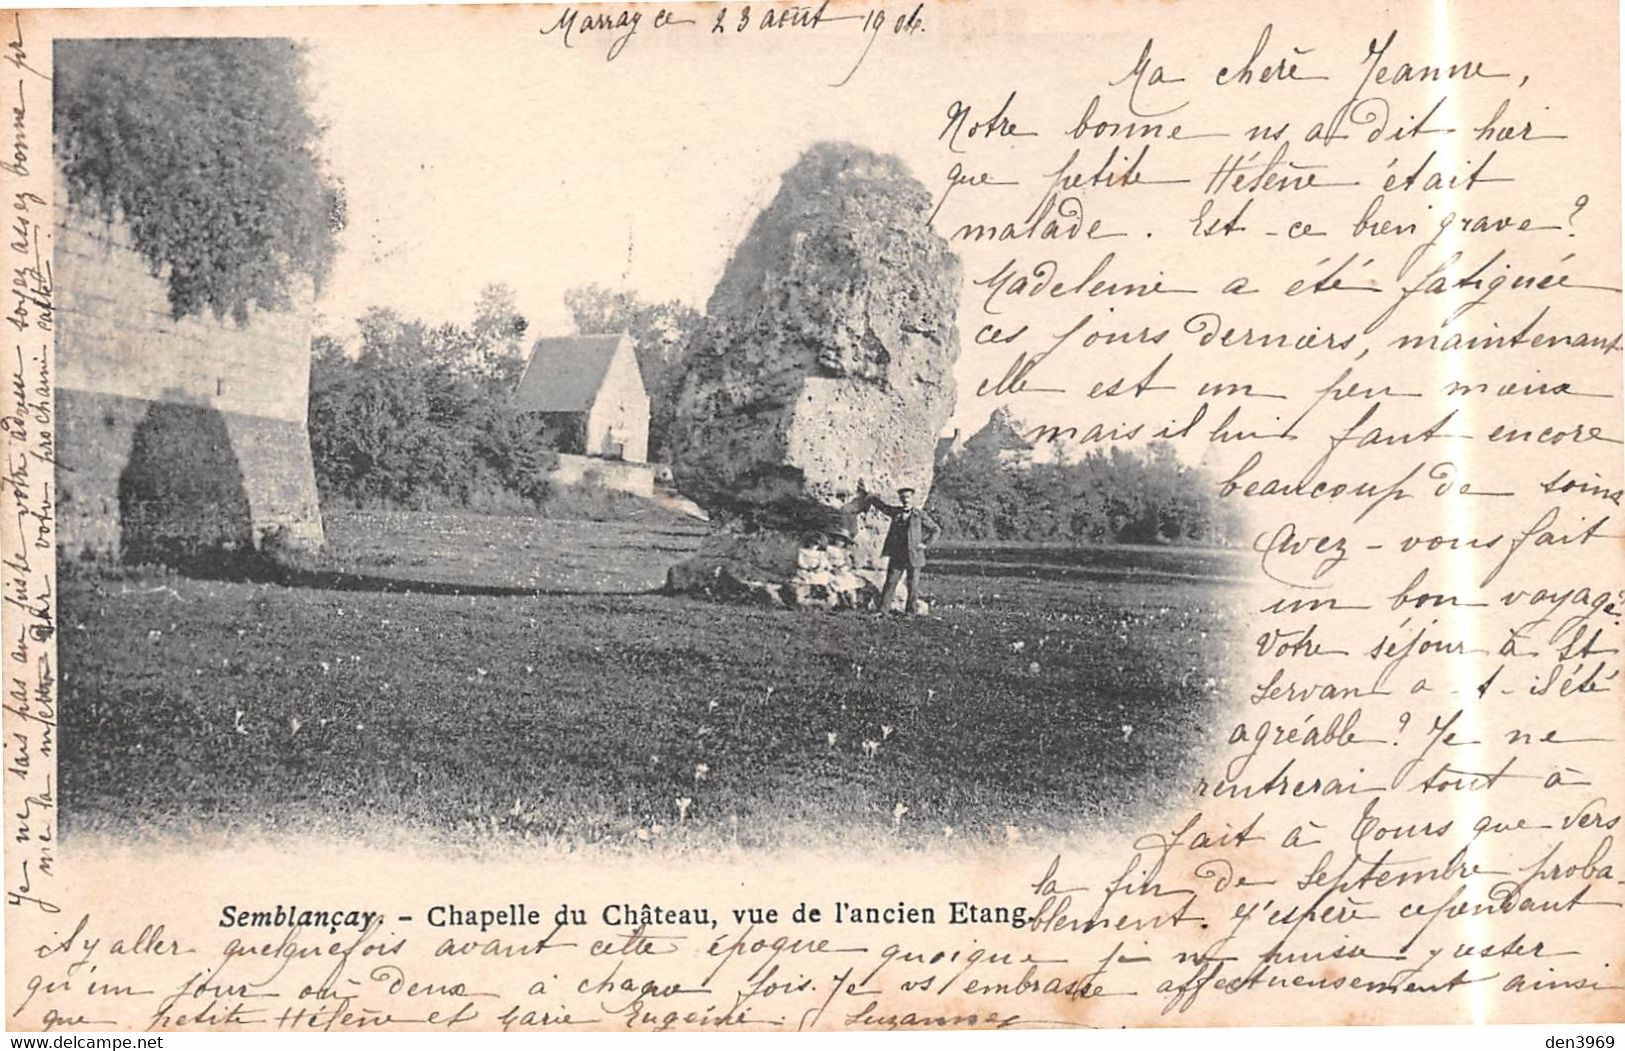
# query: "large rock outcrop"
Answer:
x=827 y=359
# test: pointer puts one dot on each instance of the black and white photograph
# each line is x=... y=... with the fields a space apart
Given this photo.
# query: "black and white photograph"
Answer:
x=640 y=545
x=820 y=517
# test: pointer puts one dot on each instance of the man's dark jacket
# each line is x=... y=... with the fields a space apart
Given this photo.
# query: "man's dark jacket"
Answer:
x=910 y=532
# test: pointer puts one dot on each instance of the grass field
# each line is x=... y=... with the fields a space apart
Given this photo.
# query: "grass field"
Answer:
x=471 y=679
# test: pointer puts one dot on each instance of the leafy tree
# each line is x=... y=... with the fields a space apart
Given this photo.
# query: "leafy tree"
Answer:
x=499 y=332
x=975 y=497
x=1113 y=495
x=661 y=335
x=206 y=151
x=413 y=420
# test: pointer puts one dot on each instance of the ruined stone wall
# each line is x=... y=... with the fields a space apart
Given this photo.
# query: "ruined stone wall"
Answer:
x=172 y=429
x=626 y=476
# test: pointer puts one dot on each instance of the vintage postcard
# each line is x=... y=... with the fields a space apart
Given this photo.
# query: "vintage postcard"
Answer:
x=812 y=516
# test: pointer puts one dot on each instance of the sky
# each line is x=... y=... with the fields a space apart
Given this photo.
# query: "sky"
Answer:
x=553 y=168
x=475 y=148
x=496 y=154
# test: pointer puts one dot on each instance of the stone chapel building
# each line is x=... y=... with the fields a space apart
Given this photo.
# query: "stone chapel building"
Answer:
x=590 y=393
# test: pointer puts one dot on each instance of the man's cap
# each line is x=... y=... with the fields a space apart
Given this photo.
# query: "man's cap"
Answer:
x=841 y=533
x=905 y=489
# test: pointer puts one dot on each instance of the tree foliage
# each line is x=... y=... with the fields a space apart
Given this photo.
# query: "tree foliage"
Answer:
x=422 y=415
x=661 y=333
x=499 y=330
x=1107 y=496
x=206 y=151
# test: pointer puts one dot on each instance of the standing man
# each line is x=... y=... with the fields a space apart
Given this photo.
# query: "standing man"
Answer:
x=912 y=530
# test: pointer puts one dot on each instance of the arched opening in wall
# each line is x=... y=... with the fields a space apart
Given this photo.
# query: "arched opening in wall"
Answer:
x=182 y=499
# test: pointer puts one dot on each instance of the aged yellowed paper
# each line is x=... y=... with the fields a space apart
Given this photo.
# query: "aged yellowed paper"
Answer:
x=812 y=517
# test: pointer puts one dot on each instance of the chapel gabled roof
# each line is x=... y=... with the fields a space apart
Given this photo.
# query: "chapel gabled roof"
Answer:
x=566 y=373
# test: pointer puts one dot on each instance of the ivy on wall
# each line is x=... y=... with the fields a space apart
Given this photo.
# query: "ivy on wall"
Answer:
x=206 y=150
